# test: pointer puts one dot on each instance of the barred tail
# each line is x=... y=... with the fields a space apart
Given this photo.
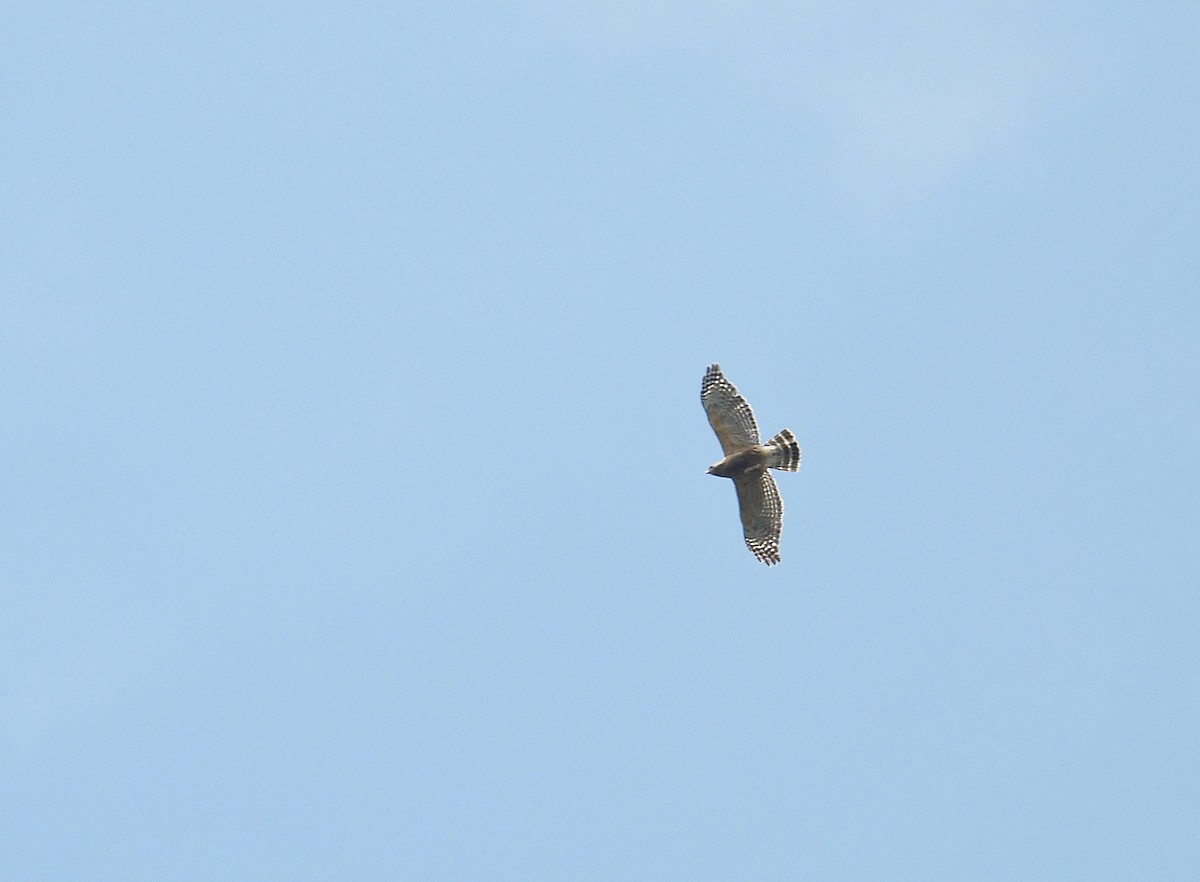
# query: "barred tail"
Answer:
x=785 y=452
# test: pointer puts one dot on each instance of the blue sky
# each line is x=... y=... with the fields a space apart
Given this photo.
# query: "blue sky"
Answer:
x=355 y=515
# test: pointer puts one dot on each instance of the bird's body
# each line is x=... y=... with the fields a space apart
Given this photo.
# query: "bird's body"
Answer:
x=746 y=462
x=742 y=461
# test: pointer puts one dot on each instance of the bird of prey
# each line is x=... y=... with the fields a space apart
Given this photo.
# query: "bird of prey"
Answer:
x=746 y=462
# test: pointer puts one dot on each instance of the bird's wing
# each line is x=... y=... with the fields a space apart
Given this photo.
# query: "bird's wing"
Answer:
x=728 y=412
x=762 y=514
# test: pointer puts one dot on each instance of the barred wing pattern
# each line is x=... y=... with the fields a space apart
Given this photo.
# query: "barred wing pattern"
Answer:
x=729 y=414
x=761 y=509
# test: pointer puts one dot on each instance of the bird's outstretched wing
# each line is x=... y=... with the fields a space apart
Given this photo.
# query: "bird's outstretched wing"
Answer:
x=762 y=514
x=728 y=412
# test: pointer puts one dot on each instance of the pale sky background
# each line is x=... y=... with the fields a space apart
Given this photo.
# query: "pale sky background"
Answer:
x=354 y=509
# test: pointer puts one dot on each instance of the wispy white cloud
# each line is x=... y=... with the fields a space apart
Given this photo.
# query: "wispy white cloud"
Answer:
x=43 y=690
x=37 y=697
x=643 y=22
x=896 y=103
x=902 y=127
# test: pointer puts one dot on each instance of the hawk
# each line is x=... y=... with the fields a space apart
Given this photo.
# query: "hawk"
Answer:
x=746 y=462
